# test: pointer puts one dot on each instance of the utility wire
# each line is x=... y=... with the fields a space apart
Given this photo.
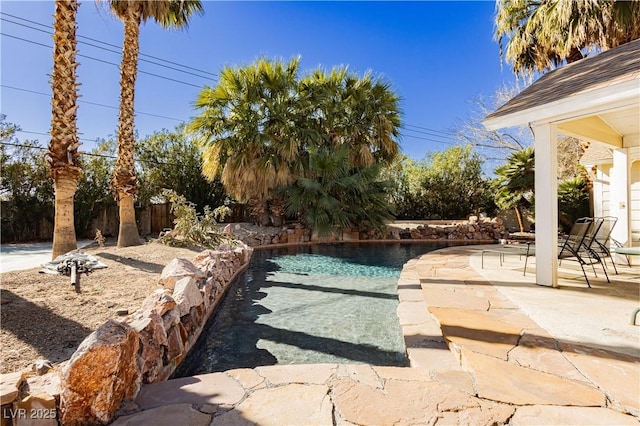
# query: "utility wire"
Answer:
x=427 y=139
x=451 y=142
x=431 y=130
x=110 y=50
x=92 y=103
x=98 y=155
x=407 y=127
x=103 y=61
x=47 y=134
x=182 y=121
x=111 y=45
x=428 y=133
x=79 y=152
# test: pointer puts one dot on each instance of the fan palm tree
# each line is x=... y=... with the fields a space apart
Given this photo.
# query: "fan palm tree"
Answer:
x=515 y=184
x=573 y=201
x=251 y=131
x=169 y=14
x=63 y=147
x=260 y=123
x=335 y=195
x=542 y=34
x=359 y=112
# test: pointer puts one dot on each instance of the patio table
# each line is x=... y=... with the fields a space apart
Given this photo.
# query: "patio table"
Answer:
x=519 y=249
x=627 y=251
x=630 y=251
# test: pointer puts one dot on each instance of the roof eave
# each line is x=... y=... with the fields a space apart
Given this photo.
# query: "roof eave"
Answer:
x=617 y=95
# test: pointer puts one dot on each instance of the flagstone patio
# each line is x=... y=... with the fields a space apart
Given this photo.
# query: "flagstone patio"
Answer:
x=486 y=346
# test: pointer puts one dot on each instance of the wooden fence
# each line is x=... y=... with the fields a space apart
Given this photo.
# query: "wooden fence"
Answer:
x=151 y=221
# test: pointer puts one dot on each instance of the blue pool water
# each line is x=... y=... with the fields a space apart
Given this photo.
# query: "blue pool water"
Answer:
x=332 y=303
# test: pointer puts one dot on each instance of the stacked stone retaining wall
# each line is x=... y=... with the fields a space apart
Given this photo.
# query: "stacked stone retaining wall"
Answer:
x=113 y=362
x=473 y=229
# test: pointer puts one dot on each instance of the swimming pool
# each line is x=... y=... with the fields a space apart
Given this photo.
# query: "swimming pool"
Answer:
x=329 y=303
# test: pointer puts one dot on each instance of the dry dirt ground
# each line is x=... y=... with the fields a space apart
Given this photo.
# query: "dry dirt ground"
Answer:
x=42 y=315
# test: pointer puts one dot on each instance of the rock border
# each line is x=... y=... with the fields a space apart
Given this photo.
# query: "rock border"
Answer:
x=474 y=229
x=112 y=363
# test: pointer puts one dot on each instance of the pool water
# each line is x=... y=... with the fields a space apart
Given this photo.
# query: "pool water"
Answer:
x=331 y=303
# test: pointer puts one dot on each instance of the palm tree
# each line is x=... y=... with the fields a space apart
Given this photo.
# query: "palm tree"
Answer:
x=337 y=195
x=251 y=131
x=63 y=147
x=260 y=124
x=515 y=184
x=573 y=201
x=544 y=33
x=359 y=112
x=169 y=14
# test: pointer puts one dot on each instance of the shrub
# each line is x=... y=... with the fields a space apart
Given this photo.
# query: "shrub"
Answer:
x=192 y=228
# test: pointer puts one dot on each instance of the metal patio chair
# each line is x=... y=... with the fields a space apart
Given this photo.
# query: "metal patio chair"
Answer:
x=569 y=247
x=577 y=245
x=602 y=241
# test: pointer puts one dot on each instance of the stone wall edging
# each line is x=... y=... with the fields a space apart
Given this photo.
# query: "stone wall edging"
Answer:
x=166 y=326
x=474 y=229
x=115 y=360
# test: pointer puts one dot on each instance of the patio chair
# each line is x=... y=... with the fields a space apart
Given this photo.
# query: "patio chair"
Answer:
x=577 y=245
x=602 y=241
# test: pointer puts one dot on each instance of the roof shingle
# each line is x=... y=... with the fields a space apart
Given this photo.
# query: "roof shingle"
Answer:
x=612 y=66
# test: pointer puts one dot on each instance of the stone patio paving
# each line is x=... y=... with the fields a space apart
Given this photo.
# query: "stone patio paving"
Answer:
x=486 y=346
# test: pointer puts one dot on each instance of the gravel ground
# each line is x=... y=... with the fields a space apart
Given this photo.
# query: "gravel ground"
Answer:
x=43 y=316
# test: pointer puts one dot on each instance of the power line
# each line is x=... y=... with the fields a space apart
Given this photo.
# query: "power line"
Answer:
x=429 y=134
x=427 y=139
x=108 y=44
x=109 y=50
x=47 y=134
x=79 y=152
x=451 y=142
x=103 y=61
x=408 y=127
x=94 y=140
x=93 y=103
x=182 y=121
x=430 y=130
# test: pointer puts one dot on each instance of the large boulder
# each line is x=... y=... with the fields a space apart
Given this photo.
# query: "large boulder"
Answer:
x=100 y=375
x=153 y=339
x=178 y=269
x=159 y=301
x=187 y=295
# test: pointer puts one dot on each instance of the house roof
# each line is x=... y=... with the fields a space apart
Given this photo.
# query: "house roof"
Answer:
x=607 y=68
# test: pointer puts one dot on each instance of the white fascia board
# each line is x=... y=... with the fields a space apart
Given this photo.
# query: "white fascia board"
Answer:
x=591 y=102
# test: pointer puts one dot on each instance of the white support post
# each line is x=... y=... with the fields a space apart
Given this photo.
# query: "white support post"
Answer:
x=546 y=204
x=619 y=188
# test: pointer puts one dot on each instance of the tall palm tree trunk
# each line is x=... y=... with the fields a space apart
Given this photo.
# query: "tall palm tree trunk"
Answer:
x=124 y=179
x=63 y=147
x=64 y=233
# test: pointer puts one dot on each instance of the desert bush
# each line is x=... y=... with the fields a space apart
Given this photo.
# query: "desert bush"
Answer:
x=192 y=228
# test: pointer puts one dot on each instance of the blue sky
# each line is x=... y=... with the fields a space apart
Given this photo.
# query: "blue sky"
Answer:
x=438 y=56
